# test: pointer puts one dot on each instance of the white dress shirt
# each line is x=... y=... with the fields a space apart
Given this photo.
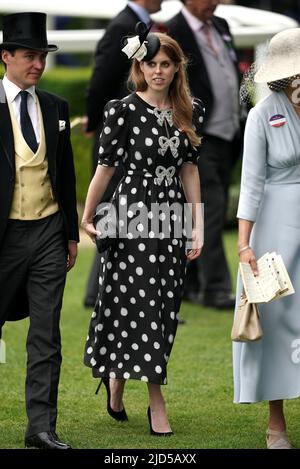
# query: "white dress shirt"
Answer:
x=12 y=94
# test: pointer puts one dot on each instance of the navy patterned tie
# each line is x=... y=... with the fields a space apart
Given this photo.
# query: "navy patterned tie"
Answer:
x=26 y=124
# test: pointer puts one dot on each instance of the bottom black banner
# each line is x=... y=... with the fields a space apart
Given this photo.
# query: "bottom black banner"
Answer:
x=132 y=458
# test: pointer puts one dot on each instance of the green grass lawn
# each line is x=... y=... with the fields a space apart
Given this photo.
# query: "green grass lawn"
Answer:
x=199 y=394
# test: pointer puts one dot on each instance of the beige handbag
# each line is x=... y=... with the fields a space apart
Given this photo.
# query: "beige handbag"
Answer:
x=246 y=325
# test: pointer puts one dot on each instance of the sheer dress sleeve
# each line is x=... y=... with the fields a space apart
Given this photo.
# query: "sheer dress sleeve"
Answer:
x=113 y=138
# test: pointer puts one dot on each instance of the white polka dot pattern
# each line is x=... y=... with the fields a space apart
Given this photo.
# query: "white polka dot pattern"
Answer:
x=134 y=323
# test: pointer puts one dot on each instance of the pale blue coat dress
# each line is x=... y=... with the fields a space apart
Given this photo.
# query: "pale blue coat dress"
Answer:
x=269 y=369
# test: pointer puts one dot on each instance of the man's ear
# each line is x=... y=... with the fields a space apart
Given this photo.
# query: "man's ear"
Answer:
x=5 y=55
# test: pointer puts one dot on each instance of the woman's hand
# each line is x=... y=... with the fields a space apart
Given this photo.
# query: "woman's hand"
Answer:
x=248 y=257
x=197 y=244
x=90 y=230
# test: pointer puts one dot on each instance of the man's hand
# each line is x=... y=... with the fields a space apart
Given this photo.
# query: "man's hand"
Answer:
x=84 y=124
x=72 y=254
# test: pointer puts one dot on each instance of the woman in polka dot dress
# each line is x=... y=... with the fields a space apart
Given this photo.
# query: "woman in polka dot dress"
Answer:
x=154 y=133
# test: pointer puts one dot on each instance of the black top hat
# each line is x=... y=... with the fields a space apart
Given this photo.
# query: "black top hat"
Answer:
x=26 y=30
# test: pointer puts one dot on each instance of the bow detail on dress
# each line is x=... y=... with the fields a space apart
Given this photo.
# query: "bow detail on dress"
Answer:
x=162 y=115
x=164 y=173
x=165 y=143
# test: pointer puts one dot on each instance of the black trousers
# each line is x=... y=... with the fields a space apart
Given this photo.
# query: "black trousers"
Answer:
x=33 y=254
x=210 y=272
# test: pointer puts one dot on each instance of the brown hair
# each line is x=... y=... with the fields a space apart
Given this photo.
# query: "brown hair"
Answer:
x=179 y=93
x=11 y=50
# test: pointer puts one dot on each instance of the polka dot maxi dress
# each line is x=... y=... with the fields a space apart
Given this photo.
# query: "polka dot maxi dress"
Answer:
x=134 y=323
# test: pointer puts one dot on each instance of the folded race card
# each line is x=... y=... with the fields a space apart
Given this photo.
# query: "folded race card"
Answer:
x=273 y=281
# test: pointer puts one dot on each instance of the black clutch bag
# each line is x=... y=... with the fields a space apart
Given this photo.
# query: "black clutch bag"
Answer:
x=105 y=221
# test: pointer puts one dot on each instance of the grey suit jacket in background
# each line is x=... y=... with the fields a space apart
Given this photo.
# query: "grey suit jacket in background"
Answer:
x=198 y=77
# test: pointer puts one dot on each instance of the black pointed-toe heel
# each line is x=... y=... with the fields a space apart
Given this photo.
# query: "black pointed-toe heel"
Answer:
x=152 y=432
x=121 y=415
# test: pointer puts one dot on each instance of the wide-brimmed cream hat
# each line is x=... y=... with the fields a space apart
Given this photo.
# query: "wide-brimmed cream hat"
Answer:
x=283 y=57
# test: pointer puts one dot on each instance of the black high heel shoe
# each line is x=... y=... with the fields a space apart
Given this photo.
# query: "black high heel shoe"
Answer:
x=121 y=415
x=152 y=432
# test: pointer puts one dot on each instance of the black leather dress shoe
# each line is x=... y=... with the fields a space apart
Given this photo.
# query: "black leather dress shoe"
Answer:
x=45 y=440
x=219 y=300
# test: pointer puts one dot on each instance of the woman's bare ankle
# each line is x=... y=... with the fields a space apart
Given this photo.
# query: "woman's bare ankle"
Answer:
x=159 y=417
x=116 y=394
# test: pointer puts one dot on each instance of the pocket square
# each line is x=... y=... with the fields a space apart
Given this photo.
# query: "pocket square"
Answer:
x=62 y=125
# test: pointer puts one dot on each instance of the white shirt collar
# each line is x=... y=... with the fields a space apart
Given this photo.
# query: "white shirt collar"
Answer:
x=12 y=90
x=194 y=23
x=141 y=12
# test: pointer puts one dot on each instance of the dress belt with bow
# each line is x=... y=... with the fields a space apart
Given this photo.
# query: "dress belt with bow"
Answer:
x=161 y=173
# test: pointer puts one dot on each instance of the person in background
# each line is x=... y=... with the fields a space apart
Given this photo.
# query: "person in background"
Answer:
x=213 y=76
x=155 y=133
x=109 y=81
x=269 y=213
x=38 y=217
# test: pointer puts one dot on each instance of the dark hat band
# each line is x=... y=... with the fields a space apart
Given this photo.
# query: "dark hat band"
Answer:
x=29 y=44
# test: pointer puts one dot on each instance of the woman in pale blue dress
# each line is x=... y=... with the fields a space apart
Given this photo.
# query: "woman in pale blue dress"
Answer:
x=269 y=220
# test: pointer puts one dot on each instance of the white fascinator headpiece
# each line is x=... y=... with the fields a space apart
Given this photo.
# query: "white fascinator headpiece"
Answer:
x=134 y=49
x=143 y=46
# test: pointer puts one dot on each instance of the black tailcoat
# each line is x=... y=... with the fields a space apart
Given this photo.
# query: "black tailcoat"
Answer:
x=60 y=167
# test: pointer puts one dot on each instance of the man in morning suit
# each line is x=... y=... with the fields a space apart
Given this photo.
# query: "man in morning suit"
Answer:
x=109 y=81
x=213 y=77
x=38 y=217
